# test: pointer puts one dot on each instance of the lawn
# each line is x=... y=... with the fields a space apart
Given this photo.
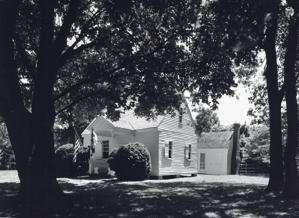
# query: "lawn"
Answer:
x=201 y=196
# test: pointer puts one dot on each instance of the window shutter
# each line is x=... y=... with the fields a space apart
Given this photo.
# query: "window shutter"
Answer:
x=188 y=150
x=168 y=146
x=166 y=149
x=170 y=149
x=202 y=160
x=180 y=117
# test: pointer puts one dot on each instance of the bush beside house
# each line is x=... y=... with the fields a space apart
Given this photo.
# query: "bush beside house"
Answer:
x=130 y=162
x=82 y=162
x=7 y=157
x=64 y=164
x=64 y=161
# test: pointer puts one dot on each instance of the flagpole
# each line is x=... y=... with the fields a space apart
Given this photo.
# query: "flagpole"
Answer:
x=77 y=144
x=91 y=167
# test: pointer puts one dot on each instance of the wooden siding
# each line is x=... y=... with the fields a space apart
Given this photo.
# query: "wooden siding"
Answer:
x=150 y=139
x=105 y=131
x=120 y=137
x=170 y=123
x=98 y=147
x=215 y=161
x=178 y=164
x=180 y=135
x=154 y=138
x=101 y=127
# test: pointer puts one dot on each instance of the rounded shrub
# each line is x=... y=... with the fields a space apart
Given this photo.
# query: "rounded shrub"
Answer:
x=64 y=160
x=65 y=167
x=130 y=162
x=82 y=162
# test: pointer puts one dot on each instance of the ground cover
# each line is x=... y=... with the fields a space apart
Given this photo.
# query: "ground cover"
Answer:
x=201 y=196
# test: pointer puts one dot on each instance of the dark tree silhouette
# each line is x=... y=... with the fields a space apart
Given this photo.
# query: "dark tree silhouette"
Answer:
x=58 y=56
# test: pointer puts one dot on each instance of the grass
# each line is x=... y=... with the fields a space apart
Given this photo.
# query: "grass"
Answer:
x=201 y=196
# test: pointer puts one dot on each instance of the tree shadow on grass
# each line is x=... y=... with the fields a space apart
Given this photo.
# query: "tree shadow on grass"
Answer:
x=110 y=198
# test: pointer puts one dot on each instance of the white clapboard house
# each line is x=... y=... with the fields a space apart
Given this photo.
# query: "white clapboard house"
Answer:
x=171 y=141
x=219 y=152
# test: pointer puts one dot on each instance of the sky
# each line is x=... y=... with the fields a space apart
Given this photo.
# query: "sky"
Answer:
x=233 y=109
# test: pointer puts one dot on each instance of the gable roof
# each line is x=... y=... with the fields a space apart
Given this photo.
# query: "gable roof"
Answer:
x=215 y=139
x=130 y=121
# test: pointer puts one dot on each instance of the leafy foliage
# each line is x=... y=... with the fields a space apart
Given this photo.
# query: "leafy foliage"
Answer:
x=65 y=167
x=205 y=120
x=140 y=55
x=130 y=162
x=7 y=159
x=108 y=56
x=271 y=26
x=135 y=54
x=82 y=162
x=256 y=146
x=113 y=60
x=252 y=76
x=64 y=161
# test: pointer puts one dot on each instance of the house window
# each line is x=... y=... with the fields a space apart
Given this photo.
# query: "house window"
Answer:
x=105 y=145
x=202 y=164
x=180 y=117
x=168 y=149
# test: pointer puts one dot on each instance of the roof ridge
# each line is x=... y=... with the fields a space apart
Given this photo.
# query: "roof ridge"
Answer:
x=161 y=120
x=131 y=125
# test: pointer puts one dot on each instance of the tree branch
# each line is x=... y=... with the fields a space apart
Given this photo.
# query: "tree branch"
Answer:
x=77 y=101
x=80 y=83
x=84 y=28
x=24 y=55
x=281 y=92
x=60 y=41
x=72 y=52
x=73 y=87
x=91 y=79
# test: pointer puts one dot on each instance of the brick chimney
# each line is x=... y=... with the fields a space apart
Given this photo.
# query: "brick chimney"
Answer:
x=235 y=162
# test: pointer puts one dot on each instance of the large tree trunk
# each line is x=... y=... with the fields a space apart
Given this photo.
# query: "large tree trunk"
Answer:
x=31 y=134
x=276 y=162
x=17 y=118
x=19 y=129
x=290 y=188
x=43 y=184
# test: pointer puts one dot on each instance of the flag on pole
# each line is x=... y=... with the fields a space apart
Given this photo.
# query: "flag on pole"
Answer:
x=93 y=141
x=77 y=145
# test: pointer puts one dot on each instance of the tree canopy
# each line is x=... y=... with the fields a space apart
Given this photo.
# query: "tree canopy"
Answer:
x=205 y=120
x=77 y=56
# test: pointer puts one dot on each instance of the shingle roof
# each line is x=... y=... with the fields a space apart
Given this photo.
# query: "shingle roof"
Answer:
x=215 y=139
x=130 y=121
